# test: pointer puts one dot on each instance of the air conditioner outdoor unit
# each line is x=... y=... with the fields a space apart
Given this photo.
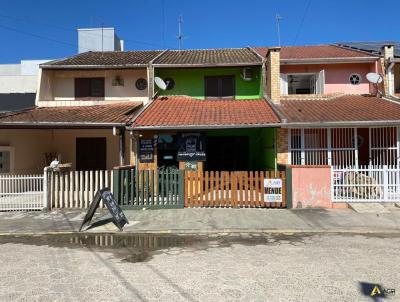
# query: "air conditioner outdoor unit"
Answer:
x=247 y=74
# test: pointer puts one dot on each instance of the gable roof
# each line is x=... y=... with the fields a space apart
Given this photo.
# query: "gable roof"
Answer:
x=183 y=112
x=214 y=57
x=373 y=47
x=106 y=59
x=315 y=52
x=345 y=109
x=106 y=115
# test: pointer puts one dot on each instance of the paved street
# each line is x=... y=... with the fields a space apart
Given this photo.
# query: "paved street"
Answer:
x=270 y=267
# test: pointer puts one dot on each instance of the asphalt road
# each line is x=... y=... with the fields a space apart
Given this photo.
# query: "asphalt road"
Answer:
x=272 y=267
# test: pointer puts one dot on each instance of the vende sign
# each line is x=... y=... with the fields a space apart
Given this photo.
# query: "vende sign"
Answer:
x=272 y=190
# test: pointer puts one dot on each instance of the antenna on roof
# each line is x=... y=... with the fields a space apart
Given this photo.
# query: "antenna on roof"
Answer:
x=278 y=19
x=180 y=32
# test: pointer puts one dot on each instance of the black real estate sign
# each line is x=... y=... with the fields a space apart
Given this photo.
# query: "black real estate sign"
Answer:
x=191 y=147
x=118 y=217
x=146 y=150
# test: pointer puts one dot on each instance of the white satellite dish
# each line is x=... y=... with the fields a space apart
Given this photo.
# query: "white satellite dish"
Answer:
x=160 y=83
x=374 y=78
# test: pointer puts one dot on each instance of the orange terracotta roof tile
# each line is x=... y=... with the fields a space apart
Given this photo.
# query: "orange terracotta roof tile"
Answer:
x=346 y=108
x=119 y=113
x=314 y=52
x=184 y=111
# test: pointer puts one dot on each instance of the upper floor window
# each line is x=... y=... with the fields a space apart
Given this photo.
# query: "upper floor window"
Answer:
x=220 y=87
x=355 y=79
x=303 y=83
x=89 y=87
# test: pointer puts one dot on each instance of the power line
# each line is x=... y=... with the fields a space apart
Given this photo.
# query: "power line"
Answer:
x=302 y=21
x=37 y=36
x=74 y=30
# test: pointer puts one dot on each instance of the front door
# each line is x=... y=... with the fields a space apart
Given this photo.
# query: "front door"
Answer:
x=227 y=153
x=91 y=153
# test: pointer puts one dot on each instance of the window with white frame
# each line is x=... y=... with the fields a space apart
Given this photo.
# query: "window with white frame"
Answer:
x=6 y=159
x=302 y=83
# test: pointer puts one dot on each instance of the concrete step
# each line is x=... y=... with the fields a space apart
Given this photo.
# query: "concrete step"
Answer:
x=368 y=207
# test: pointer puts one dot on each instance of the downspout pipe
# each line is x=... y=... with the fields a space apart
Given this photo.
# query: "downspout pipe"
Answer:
x=390 y=77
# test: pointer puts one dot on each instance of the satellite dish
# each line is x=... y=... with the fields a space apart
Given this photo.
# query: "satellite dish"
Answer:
x=160 y=83
x=374 y=78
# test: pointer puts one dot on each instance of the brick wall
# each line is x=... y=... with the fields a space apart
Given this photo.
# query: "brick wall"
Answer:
x=273 y=74
x=282 y=146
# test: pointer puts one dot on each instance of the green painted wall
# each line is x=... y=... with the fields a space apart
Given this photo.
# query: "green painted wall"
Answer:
x=190 y=81
x=262 y=150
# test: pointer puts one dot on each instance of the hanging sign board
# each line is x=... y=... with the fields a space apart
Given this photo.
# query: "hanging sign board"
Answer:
x=146 y=150
x=272 y=190
x=117 y=216
x=191 y=147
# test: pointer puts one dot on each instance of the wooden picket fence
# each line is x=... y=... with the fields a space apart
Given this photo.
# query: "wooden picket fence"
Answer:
x=75 y=189
x=230 y=189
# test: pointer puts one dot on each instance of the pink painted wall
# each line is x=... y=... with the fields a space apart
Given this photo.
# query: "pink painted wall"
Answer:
x=337 y=76
x=311 y=187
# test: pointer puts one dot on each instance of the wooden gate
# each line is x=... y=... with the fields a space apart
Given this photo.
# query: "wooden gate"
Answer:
x=233 y=189
x=148 y=188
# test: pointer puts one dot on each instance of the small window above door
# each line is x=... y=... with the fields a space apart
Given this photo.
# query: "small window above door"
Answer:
x=219 y=87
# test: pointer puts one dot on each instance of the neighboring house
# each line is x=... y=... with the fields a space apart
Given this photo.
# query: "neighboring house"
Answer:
x=18 y=84
x=391 y=55
x=341 y=123
x=83 y=105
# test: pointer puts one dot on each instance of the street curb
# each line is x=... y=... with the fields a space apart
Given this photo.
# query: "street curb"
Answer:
x=207 y=232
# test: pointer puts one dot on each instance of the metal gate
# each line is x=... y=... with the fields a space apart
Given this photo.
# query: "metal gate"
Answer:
x=22 y=192
x=161 y=188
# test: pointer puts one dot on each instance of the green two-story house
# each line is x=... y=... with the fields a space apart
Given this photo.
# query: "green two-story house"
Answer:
x=210 y=116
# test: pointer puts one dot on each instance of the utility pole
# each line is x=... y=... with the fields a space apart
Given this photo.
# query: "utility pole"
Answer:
x=278 y=19
x=180 y=32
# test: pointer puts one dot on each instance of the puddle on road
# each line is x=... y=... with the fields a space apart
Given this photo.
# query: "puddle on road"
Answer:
x=141 y=247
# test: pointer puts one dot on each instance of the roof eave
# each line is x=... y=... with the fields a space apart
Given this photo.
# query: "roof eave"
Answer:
x=87 y=67
x=157 y=65
x=328 y=124
x=59 y=125
x=328 y=60
x=204 y=127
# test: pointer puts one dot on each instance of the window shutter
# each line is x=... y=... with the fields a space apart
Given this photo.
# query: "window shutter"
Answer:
x=284 y=84
x=321 y=82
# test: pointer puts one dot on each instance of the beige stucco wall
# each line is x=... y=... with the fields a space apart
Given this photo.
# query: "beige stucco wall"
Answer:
x=57 y=87
x=29 y=148
x=31 y=145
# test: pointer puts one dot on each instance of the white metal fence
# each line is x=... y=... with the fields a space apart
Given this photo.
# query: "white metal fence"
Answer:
x=366 y=184
x=22 y=192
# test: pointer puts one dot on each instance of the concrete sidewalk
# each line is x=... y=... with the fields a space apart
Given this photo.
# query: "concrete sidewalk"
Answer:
x=209 y=221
